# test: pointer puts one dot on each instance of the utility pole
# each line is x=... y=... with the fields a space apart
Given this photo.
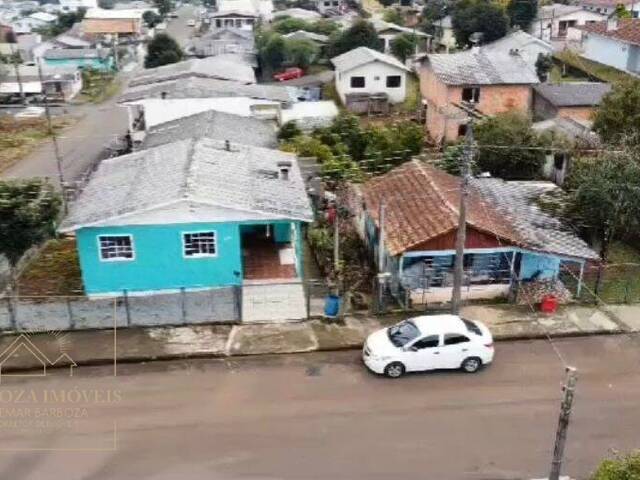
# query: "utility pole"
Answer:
x=563 y=422
x=16 y=67
x=54 y=138
x=461 y=235
x=382 y=274
x=336 y=239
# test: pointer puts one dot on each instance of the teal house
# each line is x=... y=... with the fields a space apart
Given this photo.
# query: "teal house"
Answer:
x=190 y=215
x=83 y=58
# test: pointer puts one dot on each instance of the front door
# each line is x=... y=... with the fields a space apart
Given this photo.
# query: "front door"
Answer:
x=424 y=354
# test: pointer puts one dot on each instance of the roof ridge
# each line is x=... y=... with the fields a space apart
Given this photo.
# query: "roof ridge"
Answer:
x=436 y=189
x=189 y=173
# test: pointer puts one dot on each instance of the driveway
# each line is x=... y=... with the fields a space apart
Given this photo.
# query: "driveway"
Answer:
x=321 y=416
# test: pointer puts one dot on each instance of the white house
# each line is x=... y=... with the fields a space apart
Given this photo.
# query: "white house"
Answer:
x=366 y=71
x=259 y=8
x=329 y=6
x=74 y=5
x=615 y=42
x=607 y=7
x=554 y=21
x=444 y=36
x=60 y=82
x=388 y=32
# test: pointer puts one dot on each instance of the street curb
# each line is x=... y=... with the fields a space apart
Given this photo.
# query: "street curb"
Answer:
x=211 y=355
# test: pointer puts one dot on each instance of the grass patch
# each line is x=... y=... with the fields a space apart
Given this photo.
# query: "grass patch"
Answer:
x=592 y=70
x=18 y=137
x=414 y=97
x=97 y=87
x=55 y=271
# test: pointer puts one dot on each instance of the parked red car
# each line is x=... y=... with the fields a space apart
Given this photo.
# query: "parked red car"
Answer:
x=289 y=74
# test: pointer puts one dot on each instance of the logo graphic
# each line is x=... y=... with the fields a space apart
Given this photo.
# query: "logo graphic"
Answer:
x=23 y=348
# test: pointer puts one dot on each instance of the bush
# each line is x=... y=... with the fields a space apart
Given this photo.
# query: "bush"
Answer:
x=162 y=50
x=625 y=467
x=289 y=131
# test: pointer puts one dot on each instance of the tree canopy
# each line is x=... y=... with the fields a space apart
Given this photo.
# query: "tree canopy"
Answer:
x=522 y=13
x=509 y=130
x=478 y=16
x=404 y=45
x=151 y=19
x=625 y=467
x=164 y=6
x=360 y=34
x=28 y=210
x=162 y=50
x=393 y=15
x=618 y=117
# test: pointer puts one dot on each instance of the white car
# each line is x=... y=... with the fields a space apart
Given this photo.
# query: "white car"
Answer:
x=429 y=343
x=191 y=23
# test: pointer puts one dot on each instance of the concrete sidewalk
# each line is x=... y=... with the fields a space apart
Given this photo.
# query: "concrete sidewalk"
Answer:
x=87 y=347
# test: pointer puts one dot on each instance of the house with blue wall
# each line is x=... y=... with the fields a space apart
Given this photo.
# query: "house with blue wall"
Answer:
x=510 y=240
x=190 y=215
x=99 y=59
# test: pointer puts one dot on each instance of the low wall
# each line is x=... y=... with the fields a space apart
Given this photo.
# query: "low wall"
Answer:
x=76 y=313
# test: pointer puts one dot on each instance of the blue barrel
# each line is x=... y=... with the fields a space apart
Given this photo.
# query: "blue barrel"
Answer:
x=332 y=306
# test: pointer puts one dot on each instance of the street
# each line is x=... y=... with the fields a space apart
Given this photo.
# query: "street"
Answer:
x=98 y=126
x=322 y=415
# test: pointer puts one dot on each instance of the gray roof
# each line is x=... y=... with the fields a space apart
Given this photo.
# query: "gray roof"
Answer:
x=578 y=94
x=528 y=46
x=191 y=181
x=381 y=26
x=476 y=67
x=304 y=35
x=215 y=125
x=208 y=88
x=542 y=232
x=225 y=67
x=361 y=56
x=71 y=53
x=72 y=41
x=302 y=13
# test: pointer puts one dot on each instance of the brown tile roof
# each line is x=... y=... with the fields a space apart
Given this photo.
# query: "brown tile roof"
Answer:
x=421 y=203
x=110 y=25
x=628 y=30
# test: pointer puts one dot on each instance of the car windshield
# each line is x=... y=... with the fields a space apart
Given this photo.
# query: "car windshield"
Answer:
x=402 y=333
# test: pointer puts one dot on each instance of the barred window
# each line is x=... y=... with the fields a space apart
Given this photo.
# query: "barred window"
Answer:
x=115 y=247
x=200 y=244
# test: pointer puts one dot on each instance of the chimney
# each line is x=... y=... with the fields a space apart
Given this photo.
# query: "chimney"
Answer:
x=227 y=145
x=283 y=168
x=163 y=95
x=612 y=23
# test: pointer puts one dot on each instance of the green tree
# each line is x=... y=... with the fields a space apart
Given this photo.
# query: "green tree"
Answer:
x=301 y=53
x=621 y=11
x=618 y=116
x=625 y=467
x=544 y=63
x=163 y=6
x=393 y=15
x=272 y=52
x=162 y=50
x=478 y=16
x=28 y=210
x=151 y=19
x=289 y=131
x=498 y=138
x=404 y=45
x=360 y=34
x=290 y=24
x=603 y=195
x=522 y=13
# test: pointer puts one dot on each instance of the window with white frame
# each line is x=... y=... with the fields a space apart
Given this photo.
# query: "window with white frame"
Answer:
x=199 y=244
x=115 y=247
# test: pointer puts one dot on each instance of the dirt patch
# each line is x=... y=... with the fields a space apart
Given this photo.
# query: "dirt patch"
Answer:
x=18 y=137
x=54 y=271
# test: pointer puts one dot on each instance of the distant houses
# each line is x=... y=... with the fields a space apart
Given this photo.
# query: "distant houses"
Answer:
x=615 y=42
x=61 y=83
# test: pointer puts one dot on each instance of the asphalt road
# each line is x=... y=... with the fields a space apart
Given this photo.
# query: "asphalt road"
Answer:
x=97 y=127
x=321 y=415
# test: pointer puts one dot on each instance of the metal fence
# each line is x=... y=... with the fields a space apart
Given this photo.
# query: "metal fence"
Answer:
x=254 y=302
x=613 y=283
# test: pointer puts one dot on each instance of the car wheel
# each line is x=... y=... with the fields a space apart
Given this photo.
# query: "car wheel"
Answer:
x=394 y=370
x=471 y=364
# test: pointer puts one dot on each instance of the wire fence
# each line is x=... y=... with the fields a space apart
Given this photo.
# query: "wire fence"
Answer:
x=613 y=283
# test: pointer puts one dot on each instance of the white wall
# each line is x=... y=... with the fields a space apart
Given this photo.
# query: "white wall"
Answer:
x=540 y=28
x=605 y=50
x=375 y=74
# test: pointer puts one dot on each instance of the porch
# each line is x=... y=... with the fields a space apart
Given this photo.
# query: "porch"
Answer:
x=272 y=285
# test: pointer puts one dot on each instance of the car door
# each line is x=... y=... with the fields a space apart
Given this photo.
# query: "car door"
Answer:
x=423 y=354
x=455 y=348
